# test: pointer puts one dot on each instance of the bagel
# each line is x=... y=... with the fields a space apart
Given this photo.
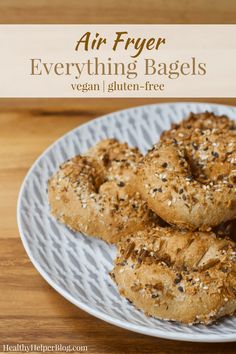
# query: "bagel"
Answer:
x=204 y=121
x=209 y=142
x=189 y=177
x=177 y=275
x=119 y=161
x=92 y=193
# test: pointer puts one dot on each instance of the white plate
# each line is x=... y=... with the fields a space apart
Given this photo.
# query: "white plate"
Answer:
x=78 y=266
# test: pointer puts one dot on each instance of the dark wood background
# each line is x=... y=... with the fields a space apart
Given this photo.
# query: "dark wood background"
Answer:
x=30 y=310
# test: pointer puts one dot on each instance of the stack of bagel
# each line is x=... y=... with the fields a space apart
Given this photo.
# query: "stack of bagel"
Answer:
x=170 y=213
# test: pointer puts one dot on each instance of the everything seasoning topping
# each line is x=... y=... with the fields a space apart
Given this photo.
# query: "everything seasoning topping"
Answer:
x=189 y=178
x=181 y=289
x=159 y=190
x=215 y=154
x=195 y=146
x=121 y=184
x=129 y=250
x=164 y=165
x=178 y=279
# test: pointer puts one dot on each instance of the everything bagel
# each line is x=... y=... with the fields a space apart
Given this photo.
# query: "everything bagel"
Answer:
x=183 y=276
x=209 y=142
x=189 y=177
x=92 y=193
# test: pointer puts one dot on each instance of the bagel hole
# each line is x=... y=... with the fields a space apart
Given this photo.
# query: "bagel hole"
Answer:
x=97 y=182
x=196 y=170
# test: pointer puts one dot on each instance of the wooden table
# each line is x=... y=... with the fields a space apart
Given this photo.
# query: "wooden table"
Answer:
x=30 y=310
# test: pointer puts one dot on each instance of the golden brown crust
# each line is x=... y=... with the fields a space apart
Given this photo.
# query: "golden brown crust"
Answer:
x=92 y=194
x=189 y=177
x=204 y=121
x=178 y=275
x=119 y=161
x=209 y=144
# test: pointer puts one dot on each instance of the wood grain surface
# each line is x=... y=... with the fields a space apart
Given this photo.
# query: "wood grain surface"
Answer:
x=117 y=11
x=30 y=310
